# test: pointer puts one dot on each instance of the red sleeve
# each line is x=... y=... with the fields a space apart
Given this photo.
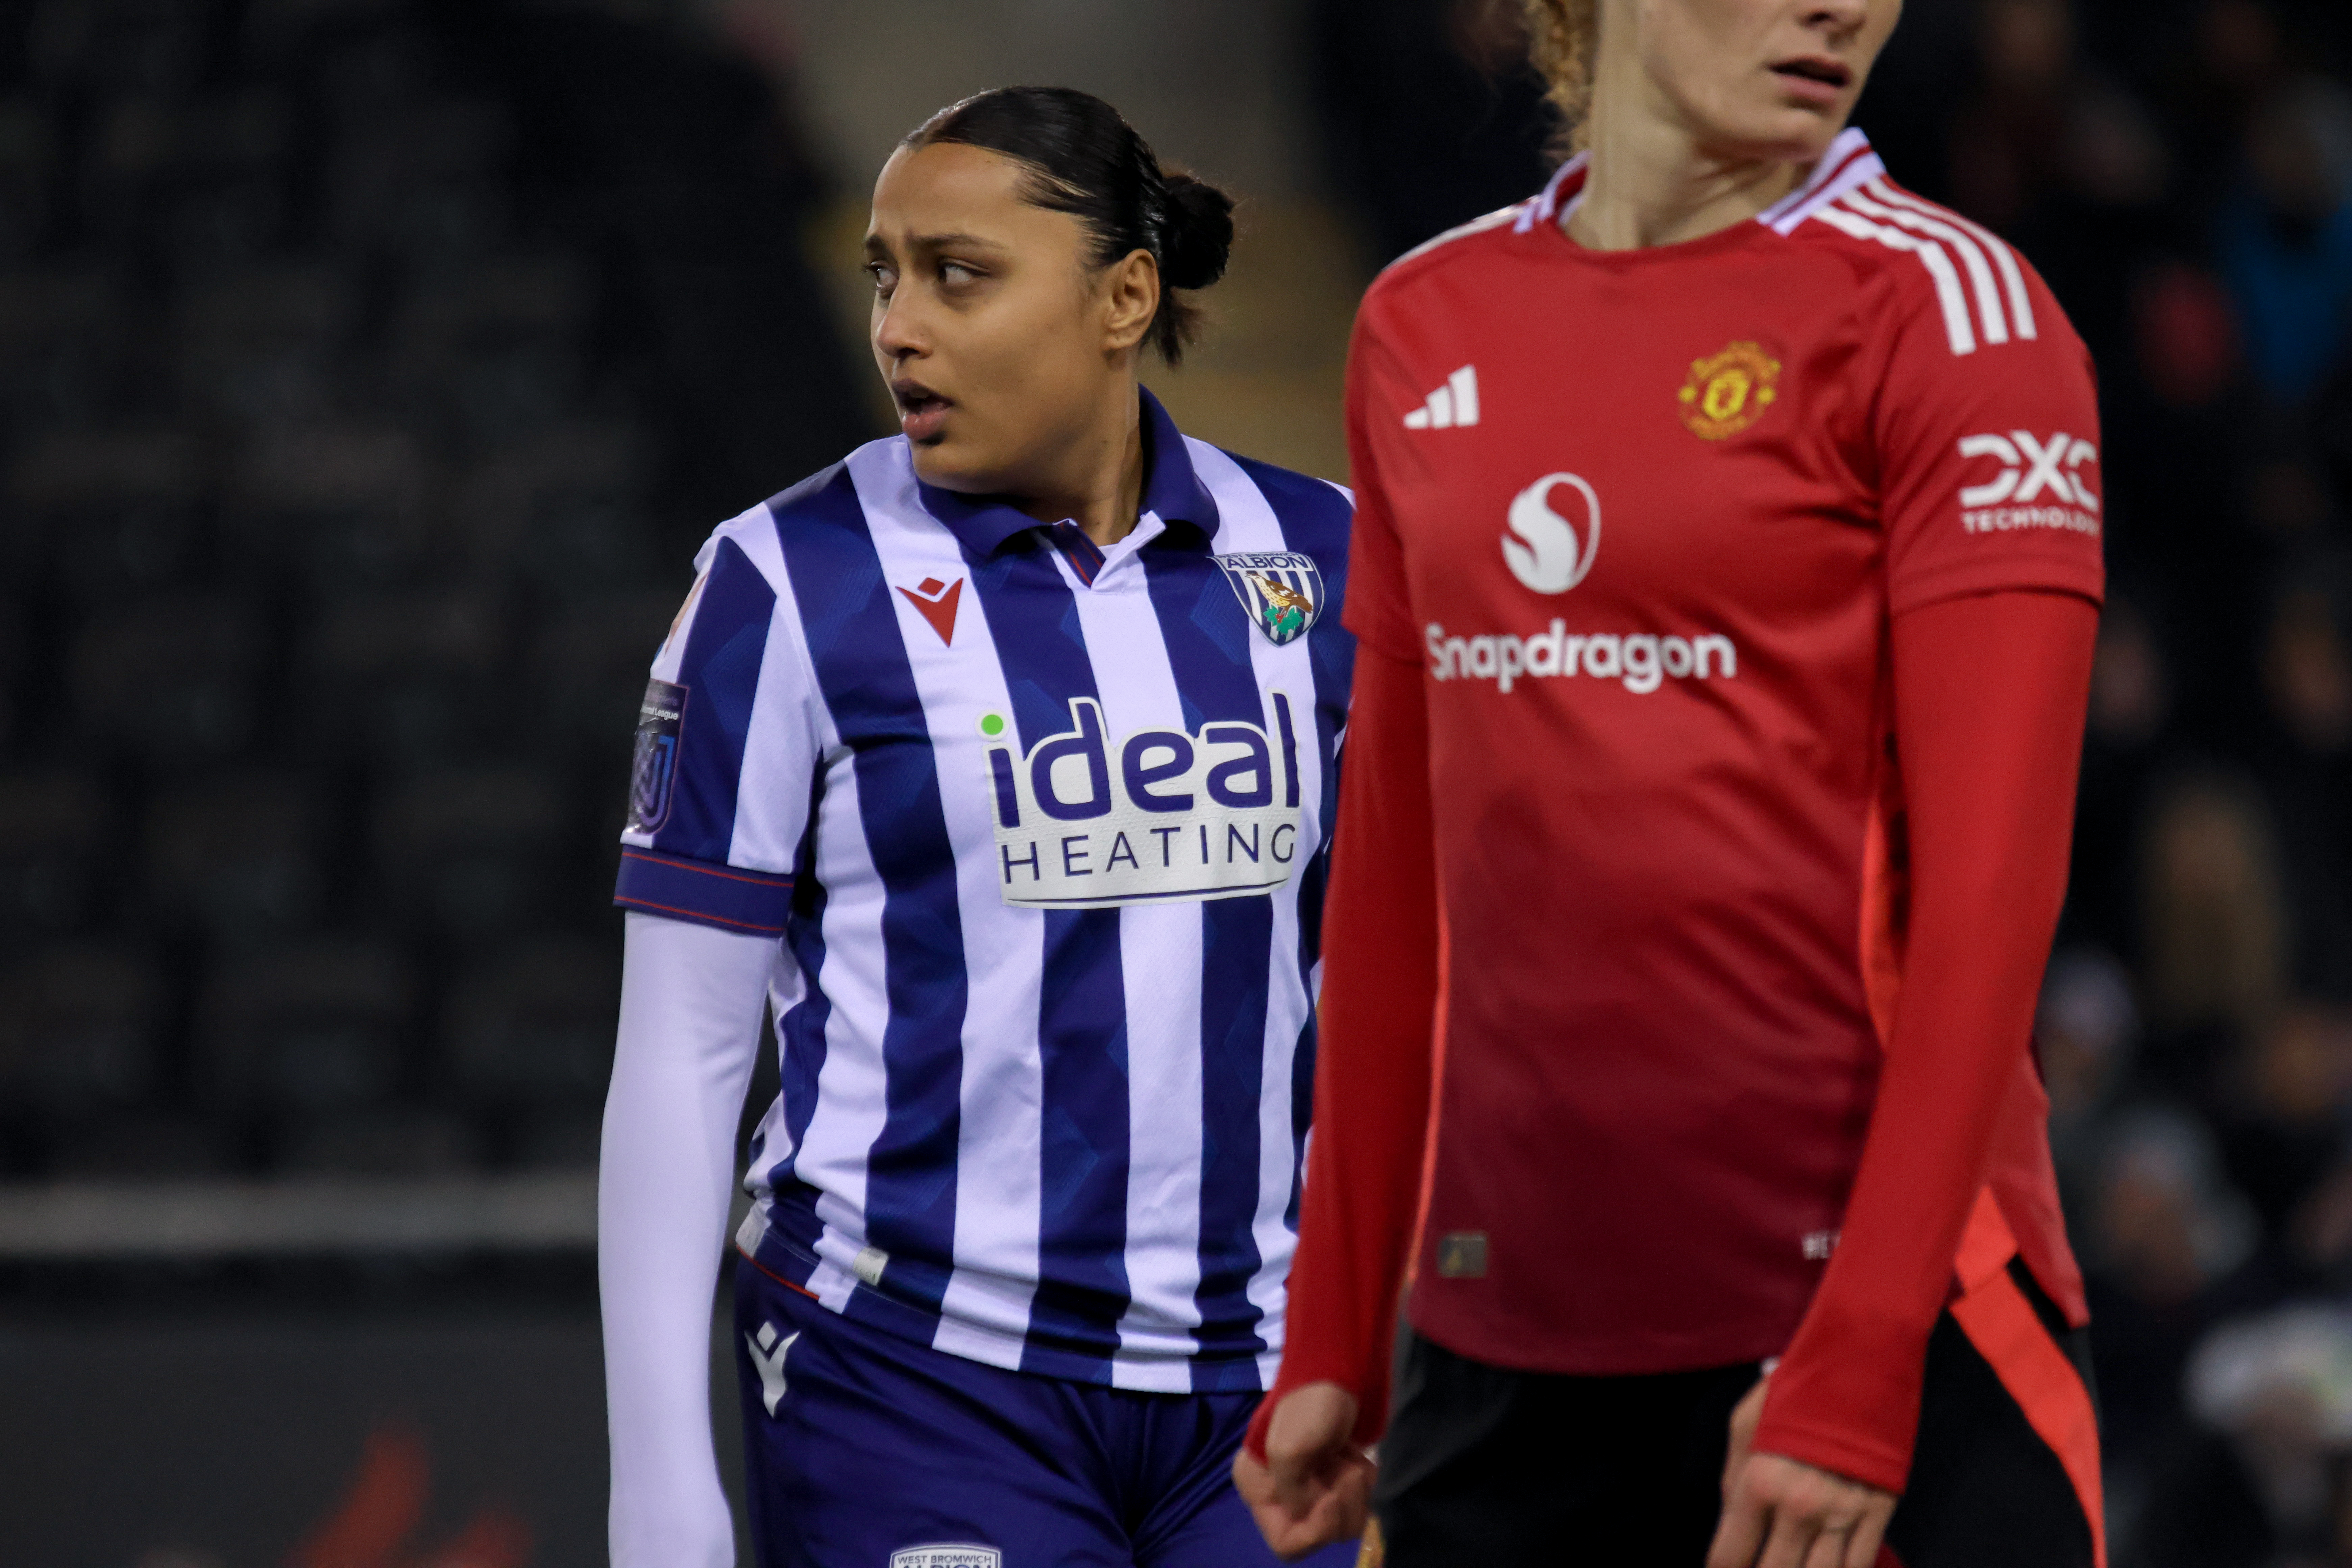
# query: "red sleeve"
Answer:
x=1373 y=1063
x=1989 y=694
x=1987 y=460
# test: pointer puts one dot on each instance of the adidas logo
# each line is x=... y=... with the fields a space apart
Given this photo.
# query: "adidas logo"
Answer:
x=1455 y=403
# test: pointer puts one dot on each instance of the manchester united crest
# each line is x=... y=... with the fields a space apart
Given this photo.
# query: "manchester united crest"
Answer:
x=1282 y=593
x=1728 y=391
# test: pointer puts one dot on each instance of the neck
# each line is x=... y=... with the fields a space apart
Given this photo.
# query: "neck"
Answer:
x=1100 y=483
x=1650 y=180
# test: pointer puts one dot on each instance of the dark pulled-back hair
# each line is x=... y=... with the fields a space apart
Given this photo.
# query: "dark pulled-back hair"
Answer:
x=1086 y=159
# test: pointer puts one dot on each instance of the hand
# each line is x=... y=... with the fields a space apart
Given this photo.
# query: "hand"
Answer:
x=1316 y=1486
x=1794 y=1515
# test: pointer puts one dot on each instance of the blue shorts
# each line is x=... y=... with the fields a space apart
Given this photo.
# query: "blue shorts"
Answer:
x=877 y=1448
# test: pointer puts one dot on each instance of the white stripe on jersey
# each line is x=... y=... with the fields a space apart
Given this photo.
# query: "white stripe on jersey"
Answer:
x=2021 y=303
x=1987 y=292
x=1949 y=293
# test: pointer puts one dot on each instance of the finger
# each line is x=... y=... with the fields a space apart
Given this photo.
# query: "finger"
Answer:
x=1793 y=1533
x=1869 y=1534
x=1829 y=1546
x=1745 y=1416
x=1739 y=1535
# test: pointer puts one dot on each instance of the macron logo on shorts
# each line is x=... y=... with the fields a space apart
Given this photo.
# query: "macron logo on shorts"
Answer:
x=1454 y=403
x=768 y=1353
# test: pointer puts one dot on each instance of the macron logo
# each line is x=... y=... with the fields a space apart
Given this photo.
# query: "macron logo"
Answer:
x=1455 y=403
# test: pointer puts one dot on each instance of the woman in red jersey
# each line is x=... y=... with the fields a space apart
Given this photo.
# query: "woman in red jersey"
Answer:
x=1727 y=571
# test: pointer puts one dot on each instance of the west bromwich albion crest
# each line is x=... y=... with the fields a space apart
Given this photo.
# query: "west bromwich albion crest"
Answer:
x=1282 y=593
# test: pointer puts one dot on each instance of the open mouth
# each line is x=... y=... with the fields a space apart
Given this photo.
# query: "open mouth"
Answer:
x=921 y=411
x=1815 y=70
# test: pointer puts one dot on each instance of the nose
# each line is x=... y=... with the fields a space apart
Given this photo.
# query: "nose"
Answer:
x=1839 y=17
x=898 y=328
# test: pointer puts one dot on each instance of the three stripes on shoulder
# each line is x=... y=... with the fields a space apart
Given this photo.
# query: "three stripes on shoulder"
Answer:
x=1993 y=306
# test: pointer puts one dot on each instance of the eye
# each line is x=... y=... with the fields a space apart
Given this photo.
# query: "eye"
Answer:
x=955 y=274
x=885 y=278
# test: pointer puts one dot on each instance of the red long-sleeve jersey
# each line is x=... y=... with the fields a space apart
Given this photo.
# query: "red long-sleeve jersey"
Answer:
x=1669 y=536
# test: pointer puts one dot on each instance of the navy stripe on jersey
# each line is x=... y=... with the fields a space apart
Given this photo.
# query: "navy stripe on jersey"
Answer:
x=1082 y=1286
x=1209 y=651
x=866 y=681
x=800 y=1033
x=720 y=672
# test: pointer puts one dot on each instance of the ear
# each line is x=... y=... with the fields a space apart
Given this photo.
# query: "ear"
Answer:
x=1130 y=298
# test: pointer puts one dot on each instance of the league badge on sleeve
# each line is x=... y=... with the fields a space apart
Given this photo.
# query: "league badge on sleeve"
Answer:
x=1282 y=593
x=653 y=772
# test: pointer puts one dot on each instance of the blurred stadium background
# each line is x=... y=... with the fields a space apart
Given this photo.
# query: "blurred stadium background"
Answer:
x=369 y=370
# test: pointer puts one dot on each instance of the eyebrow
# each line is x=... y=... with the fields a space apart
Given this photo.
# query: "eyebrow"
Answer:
x=939 y=242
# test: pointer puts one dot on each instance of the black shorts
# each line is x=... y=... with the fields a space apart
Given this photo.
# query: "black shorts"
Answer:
x=1485 y=1464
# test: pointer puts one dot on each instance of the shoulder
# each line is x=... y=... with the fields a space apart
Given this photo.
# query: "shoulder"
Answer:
x=1927 y=268
x=843 y=496
x=1479 y=240
x=1314 y=513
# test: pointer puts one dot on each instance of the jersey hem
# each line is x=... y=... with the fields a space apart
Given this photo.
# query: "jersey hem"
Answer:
x=776 y=1256
x=1615 y=1357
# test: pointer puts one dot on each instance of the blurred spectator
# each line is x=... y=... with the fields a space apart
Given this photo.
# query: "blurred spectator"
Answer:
x=2215 y=947
x=2264 y=1481
x=2284 y=236
x=2086 y=1033
x=2167 y=1232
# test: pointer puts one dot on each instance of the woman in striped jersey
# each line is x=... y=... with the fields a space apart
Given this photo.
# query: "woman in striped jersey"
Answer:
x=997 y=761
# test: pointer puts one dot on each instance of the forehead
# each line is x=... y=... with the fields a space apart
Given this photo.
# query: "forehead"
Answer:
x=949 y=188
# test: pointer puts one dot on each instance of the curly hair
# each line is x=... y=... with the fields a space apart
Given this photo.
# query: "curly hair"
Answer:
x=1560 y=38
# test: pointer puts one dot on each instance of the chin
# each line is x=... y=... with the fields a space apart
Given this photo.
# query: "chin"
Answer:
x=940 y=465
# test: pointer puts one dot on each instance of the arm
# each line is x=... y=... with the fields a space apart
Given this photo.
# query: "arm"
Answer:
x=1371 y=1118
x=1989 y=694
x=690 y=1000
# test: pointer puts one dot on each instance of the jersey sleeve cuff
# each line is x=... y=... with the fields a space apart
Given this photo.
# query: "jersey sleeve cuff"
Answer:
x=727 y=896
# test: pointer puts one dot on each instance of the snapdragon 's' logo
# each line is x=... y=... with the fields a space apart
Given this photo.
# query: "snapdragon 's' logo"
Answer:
x=1086 y=821
x=1550 y=553
x=2031 y=470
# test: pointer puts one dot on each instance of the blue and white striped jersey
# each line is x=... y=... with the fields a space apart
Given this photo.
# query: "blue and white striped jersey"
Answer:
x=1045 y=829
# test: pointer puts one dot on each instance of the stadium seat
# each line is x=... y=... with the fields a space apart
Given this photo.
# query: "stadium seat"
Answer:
x=405 y=678
x=28 y=164
x=497 y=353
x=422 y=180
x=110 y=510
x=62 y=344
x=588 y=663
x=533 y=1025
x=350 y=503
x=322 y=1024
x=57 y=862
x=387 y=1141
x=81 y=1027
x=237 y=855
x=173 y=678
x=562 y=511
x=142 y=1146
x=470 y=852
x=262 y=346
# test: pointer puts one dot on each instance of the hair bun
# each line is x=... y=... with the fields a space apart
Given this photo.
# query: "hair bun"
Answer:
x=1199 y=238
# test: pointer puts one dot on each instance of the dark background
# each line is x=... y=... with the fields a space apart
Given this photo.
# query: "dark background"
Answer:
x=368 y=371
